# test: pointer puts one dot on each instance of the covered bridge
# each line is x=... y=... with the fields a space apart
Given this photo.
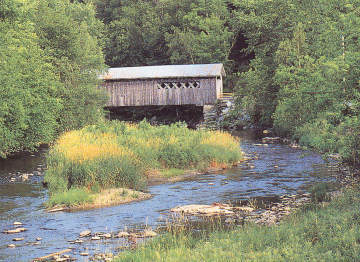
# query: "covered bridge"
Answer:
x=165 y=85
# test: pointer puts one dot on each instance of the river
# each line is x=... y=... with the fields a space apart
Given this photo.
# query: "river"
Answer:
x=274 y=170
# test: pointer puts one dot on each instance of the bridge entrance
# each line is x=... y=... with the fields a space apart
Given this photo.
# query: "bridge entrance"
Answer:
x=191 y=114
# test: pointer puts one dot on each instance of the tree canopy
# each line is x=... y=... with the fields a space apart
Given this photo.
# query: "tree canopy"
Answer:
x=49 y=61
x=293 y=64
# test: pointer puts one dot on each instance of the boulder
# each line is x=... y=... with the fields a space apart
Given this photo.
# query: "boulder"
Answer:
x=122 y=234
x=24 y=177
x=148 y=233
x=271 y=140
x=85 y=233
x=16 y=230
x=245 y=209
x=207 y=210
x=18 y=239
x=95 y=238
x=62 y=259
x=78 y=241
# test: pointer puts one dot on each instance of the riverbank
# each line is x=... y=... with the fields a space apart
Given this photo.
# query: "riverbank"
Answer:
x=81 y=199
x=75 y=200
x=325 y=231
x=256 y=179
x=121 y=155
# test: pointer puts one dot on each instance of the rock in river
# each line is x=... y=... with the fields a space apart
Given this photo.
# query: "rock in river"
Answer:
x=271 y=140
x=18 y=239
x=122 y=234
x=148 y=233
x=16 y=230
x=207 y=210
x=85 y=233
x=95 y=238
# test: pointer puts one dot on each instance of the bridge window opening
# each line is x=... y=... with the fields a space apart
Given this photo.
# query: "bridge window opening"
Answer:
x=178 y=85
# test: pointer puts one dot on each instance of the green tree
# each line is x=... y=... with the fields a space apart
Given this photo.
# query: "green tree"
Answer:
x=70 y=34
x=304 y=79
x=50 y=57
x=264 y=24
x=166 y=31
x=134 y=33
x=202 y=36
x=29 y=103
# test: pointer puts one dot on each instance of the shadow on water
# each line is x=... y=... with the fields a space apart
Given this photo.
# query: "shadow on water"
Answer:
x=272 y=170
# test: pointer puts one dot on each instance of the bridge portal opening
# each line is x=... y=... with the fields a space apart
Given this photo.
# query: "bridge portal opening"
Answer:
x=191 y=114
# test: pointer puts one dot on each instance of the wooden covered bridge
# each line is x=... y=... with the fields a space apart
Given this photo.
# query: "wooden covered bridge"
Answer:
x=199 y=85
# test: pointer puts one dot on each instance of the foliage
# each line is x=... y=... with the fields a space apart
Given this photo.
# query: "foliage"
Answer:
x=117 y=154
x=71 y=197
x=319 y=234
x=70 y=34
x=134 y=33
x=264 y=24
x=295 y=64
x=161 y=32
x=50 y=57
x=304 y=80
x=202 y=36
x=28 y=89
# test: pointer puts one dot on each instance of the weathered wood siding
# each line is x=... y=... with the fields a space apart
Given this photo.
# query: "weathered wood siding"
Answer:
x=147 y=92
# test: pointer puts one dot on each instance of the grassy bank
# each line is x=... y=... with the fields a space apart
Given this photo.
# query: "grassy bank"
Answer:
x=80 y=198
x=116 y=154
x=317 y=233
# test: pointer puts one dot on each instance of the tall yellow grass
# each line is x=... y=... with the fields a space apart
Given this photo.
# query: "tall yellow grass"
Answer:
x=79 y=146
x=120 y=154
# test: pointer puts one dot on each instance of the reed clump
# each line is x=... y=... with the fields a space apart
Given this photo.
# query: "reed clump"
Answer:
x=117 y=154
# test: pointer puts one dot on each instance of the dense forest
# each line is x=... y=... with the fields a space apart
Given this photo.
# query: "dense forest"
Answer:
x=294 y=65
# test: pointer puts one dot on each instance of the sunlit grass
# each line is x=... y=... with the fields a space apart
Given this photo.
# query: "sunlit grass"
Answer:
x=318 y=233
x=116 y=154
x=81 y=198
x=172 y=172
x=72 y=197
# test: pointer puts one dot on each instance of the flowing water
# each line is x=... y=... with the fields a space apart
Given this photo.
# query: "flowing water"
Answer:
x=275 y=170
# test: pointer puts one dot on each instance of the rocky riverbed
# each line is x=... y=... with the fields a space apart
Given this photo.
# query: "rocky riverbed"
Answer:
x=271 y=174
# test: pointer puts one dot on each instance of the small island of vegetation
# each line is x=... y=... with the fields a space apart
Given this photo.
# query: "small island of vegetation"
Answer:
x=86 y=165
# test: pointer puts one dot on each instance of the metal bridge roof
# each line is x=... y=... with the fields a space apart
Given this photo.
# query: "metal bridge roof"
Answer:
x=164 y=71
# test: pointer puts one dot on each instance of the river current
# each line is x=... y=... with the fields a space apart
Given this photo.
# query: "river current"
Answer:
x=274 y=170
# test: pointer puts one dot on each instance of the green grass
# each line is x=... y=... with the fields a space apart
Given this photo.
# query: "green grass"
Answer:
x=172 y=172
x=121 y=155
x=330 y=233
x=71 y=197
